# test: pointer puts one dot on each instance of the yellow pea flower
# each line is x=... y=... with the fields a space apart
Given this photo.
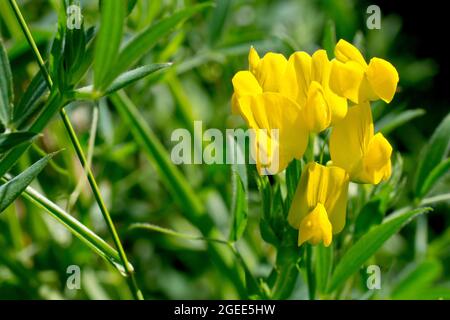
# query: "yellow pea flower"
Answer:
x=258 y=99
x=308 y=83
x=320 y=202
x=355 y=148
x=358 y=81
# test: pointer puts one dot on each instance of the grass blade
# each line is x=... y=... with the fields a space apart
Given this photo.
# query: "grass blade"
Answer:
x=30 y=100
x=438 y=172
x=134 y=75
x=368 y=244
x=147 y=38
x=14 y=187
x=433 y=154
x=14 y=139
x=6 y=87
x=108 y=41
x=76 y=228
x=394 y=120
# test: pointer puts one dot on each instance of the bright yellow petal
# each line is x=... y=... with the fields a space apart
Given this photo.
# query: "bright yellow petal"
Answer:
x=297 y=77
x=320 y=70
x=273 y=111
x=270 y=72
x=320 y=184
x=245 y=83
x=383 y=78
x=349 y=138
x=253 y=60
x=377 y=159
x=317 y=113
x=316 y=227
x=337 y=104
x=345 y=79
x=300 y=205
x=336 y=197
x=345 y=51
x=234 y=104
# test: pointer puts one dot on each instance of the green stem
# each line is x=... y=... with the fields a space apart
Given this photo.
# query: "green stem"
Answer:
x=310 y=272
x=79 y=151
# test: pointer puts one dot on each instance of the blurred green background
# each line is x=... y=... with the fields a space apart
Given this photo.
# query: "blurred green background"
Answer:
x=207 y=51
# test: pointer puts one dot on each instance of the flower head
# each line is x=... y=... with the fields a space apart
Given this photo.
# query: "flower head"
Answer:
x=358 y=81
x=319 y=205
x=308 y=83
x=354 y=147
x=259 y=100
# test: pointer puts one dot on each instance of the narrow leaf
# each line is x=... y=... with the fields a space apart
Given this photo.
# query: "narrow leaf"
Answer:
x=6 y=87
x=138 y=46
x=79 y=230
x=239 y=208
x=134 y=75
x=395 y=119
x=11 y=140
x=438 y=172
x=13 y=188
x=417 y=279
x=369 y=244
x=108 y=41
x=30 y=100
x=434 y=153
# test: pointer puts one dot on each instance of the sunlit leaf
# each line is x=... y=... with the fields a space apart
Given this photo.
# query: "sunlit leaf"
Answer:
x=368 y=245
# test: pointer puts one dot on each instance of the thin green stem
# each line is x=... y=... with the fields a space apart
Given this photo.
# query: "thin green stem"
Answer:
x=79 y=151
x=310 y=272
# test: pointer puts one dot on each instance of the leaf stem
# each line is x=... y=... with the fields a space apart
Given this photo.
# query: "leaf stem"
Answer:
x=137 y=294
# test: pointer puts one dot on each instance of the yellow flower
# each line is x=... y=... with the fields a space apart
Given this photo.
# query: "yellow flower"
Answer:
x=258 y=99
x=358 y=81
x=319 y=205
x=308 y=83
x=354 y=147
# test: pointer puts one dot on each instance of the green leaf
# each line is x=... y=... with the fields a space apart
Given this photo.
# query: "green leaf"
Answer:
x=6 y=87
x=134 y=75
x=395 y=119
x=433 y=154
x=239 y=208
x=217 y=21
x=14 y=187
x=438 y=172
x=86 y=235
x=30 y=100
x=329 y=38
x=371 y=214
x=419 y=278
x=108 y=41
x=369 y=244
x=139 y=45
x=14 y=139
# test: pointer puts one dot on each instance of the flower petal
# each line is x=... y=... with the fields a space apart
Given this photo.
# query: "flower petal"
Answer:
x=297 y=77
x=316 y=227
x=345 y=79
x=253 y=60
x=273 y=111
x=350 y=137
x=377 y=159
x=317 y=113
x=270 y=71
x=345 y=51
x=383 y=78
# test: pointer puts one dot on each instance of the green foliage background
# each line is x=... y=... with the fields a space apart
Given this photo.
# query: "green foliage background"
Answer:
x=208 y=244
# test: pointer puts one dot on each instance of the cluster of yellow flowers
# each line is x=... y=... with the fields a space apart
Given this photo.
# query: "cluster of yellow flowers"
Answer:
x=307 y=94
